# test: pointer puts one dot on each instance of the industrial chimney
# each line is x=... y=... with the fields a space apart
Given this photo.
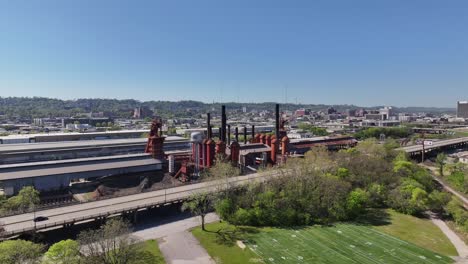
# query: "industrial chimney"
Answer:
x=223 y=123
x=277 y=121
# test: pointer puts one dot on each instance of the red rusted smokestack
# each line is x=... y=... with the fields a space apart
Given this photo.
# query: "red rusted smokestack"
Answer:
x=256 y=138
x=284 y=146
x=268 y=140
x=274 y=150
x=235 y=150
x=210 y=152
x=220 y=148
x=204 y=154
x=263 y=138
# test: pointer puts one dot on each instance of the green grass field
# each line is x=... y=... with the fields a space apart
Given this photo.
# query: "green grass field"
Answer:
x=386 y=237
x=342 y=243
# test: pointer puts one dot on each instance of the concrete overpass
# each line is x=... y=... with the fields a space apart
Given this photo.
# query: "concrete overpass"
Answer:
x=441 y=145
x=70 y=215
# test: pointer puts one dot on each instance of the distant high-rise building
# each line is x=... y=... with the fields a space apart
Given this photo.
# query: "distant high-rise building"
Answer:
x=301 y=112
x=351 y=112
x=462 y=109
x=142 y=112
x=386 y=112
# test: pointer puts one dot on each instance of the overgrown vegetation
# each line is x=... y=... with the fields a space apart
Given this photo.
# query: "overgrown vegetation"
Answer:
x=326 y=187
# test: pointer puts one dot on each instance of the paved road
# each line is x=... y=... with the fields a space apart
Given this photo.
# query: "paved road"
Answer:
x=85 y=211
x=183 y=248
x=176 y=243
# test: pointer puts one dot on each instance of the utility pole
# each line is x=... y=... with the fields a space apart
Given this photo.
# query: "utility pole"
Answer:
x=423 y=148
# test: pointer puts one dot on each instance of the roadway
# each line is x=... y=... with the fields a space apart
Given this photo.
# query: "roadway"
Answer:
x=435 y=145
x=60 y=216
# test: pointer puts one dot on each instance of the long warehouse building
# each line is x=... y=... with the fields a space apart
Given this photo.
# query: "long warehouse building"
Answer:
x=54 y=175
x=34 y=152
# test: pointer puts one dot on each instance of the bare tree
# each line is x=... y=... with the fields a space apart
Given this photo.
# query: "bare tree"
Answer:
x=111 y=244
x=2 y=231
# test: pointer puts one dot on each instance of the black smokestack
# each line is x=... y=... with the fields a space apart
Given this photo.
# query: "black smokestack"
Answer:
x=208 y=125
x=277 y=120
x=245 y=135
x=220 y=133
x=223 y=123
x=236 y=134
x=229 y=134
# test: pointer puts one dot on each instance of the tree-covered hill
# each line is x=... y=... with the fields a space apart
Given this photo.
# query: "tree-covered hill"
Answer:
x=33 y=107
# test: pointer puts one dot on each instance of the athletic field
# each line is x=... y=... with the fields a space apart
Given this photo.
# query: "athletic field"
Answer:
x=341 y=243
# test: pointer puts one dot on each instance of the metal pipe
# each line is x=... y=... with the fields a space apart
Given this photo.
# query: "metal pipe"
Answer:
x=208 y=125
x=245 y=135
x=236 y=134
x=229 y=134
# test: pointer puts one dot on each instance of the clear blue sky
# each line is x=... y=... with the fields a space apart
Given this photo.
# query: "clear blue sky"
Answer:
x=392 y=52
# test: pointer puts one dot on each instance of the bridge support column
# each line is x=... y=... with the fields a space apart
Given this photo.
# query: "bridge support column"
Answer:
x=135 y=217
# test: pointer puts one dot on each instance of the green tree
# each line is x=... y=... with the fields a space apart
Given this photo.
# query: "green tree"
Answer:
x=200 y=204
x=356 y=202
x=20 y=251
x=27 y=199
x=316 y=131
x=438 y=200
x=63 y=252
x=440 y=161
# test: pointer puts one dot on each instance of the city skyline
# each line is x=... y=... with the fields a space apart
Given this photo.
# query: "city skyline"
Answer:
x=365 y=53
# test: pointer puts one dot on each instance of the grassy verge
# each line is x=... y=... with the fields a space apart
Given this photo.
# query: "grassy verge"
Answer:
x=151 y=252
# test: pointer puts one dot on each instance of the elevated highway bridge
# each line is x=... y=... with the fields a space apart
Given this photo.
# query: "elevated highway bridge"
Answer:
x=131 y=204
x=436 y=146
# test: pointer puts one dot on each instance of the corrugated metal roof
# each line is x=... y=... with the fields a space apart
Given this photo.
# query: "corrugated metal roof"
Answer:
x=22 y=173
